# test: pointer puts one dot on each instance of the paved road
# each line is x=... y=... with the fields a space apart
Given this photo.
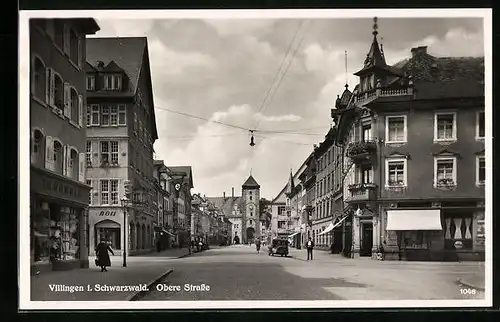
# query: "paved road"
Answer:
x=239 y=273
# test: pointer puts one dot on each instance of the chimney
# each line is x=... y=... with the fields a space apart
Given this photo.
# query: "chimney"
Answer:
x=422 y=50
x=224 y=195
x=232 y=192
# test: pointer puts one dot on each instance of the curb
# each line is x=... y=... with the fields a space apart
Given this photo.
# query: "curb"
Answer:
x=138 y=295
x=467 y=284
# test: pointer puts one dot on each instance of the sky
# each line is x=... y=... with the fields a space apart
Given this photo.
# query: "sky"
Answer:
x=227 y=71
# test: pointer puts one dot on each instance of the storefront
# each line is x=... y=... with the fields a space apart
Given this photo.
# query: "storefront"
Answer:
x=58 y=222
x=106 y=224
x=437 y=234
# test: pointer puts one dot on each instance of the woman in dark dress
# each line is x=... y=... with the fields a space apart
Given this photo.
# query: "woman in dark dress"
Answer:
x=103 y=259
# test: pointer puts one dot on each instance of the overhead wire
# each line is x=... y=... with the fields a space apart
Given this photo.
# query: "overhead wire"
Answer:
x=262 y=104
x=284 y=74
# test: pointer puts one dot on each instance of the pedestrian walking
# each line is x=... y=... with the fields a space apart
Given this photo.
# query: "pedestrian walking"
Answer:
x=257 y=245
x=310 y=246
x=102 y=254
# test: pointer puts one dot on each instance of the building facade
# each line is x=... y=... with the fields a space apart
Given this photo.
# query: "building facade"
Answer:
x=58 y=193
x=163 y=236
x=327 y=230
x=182 y=182
x=308 y=181
x=414 y=158
x=121 y=131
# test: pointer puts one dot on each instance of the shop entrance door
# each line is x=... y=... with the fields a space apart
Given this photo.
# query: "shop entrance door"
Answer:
x=367 y=240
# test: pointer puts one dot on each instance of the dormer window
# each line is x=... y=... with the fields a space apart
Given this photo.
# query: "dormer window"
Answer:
x=113 y=82
x=90 y=82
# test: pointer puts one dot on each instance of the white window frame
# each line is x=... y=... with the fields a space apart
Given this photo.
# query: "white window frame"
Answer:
x=88 y=182
x=90 y=78
x=453 y=131
x=112 y=193
x=405 y=128
x=478 y=159
x=113 y=114
x=478 y=117
x=88 y=153
x=101 y=153
x=122 y=110
x=95 y=109
x=445 y=158
x=114 y=154
x=405 y=172
x=108 y=113
x=102 y=192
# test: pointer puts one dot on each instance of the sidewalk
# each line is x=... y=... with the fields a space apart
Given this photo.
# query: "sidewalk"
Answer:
x=140 y=270
x=391 y=280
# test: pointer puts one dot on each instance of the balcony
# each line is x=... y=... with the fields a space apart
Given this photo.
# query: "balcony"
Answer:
x=372 y=94
x=361 y=192
x=362 y=150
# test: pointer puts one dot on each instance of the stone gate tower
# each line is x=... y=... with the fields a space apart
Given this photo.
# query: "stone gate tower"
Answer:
x=251 y=213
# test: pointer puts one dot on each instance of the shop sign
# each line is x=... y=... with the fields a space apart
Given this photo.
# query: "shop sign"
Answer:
x=59 y=188
x=458 y=244
x=107 y=213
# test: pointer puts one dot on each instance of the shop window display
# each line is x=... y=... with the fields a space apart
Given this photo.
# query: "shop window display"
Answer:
x=414 y=239
x=111 y=235
x=40 y=224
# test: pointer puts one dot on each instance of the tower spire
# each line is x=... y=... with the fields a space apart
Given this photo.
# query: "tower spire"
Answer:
x=346 y=85
x=375 y=27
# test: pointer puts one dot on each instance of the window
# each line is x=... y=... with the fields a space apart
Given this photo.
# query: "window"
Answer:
x=445 y=127
x=281 y=210
x=122 y=116
x=37 y=155
x=58 y=157
x=90 y=83
x=73 y=45
x=74 y=105
x=114 y=192
x=113 y=82
x=480 y=125
x=114 y=152
x=104 y=192
x=396 y=172
x=105 y=115
x=89 y=183
x=114 y=115
x=88 y=153
x=480 y=170
x=88 y=115
x=73 y=159
x=457 y=228
x=366 y=174
x=250 y=197
x=395 y=131
x=39 y=79
x=58 y=92
x=105 y=152
x=281 y=224
x=95 y=115
x=367 y=133
x=445 y=171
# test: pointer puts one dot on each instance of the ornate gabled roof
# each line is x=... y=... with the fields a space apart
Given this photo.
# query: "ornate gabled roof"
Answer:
x=375 y=57
x=251 y=183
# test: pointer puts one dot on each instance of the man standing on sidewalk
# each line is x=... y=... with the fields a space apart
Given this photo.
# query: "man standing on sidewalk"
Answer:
x=310 y=246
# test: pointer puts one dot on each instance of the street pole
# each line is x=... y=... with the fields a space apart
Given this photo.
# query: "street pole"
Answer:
x=125 y=226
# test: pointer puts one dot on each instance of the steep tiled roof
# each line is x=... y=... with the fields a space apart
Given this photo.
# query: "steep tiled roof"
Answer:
x=446 y=77
x=127 y=53
x=251 y=183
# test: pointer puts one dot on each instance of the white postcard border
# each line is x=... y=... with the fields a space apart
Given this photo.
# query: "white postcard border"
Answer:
x=25 y=302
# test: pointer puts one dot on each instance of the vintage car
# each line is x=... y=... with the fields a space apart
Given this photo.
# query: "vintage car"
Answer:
x=278 y=246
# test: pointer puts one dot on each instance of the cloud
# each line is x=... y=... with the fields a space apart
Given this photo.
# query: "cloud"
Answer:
x=227 y=27
x=280 y=118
